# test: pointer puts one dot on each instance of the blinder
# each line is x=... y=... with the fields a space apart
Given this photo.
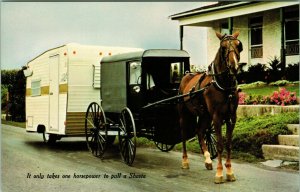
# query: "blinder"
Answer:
x=239 y=47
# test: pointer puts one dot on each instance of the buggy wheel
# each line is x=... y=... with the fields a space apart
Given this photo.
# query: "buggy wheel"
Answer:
x=95 y=129
x=127 y=136
x=164 y=147
x=211 y=142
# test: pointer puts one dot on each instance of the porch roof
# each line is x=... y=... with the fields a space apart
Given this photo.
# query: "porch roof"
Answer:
x=203 y=16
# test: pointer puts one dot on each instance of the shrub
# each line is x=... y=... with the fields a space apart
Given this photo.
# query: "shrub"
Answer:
x=292 y=72
x=274 y=72
x=280 y=83
x=252 y=85
x=251 y=132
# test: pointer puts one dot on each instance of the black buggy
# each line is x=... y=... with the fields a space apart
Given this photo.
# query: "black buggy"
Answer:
x=139 y=97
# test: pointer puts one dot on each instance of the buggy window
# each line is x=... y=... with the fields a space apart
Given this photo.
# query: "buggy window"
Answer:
x=175 y=73
x=135 y=73
x=165 y=72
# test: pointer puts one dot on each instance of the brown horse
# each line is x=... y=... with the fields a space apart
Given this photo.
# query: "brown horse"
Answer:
x=217 y=103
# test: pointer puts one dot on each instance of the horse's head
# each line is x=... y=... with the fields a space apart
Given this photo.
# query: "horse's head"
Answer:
x=230 y=49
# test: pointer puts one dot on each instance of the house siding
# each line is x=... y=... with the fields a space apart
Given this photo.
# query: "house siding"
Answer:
x=271 y=38
x=241 y=14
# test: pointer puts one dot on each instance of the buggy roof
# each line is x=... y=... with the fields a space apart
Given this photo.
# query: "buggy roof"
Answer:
x=174 y=53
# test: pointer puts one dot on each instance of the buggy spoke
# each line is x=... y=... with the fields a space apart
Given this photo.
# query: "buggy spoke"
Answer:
x=127 y=139
x=94 y=122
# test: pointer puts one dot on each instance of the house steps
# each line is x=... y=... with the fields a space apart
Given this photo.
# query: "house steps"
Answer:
x=294 y=128
x=288 y=147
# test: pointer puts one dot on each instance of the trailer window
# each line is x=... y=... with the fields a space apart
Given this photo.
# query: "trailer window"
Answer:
x=36 y=88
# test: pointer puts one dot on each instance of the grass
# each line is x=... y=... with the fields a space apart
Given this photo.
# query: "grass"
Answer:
x=267 y=90
x=17 y=124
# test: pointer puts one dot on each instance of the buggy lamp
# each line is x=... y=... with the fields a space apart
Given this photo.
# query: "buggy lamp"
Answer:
x=137 y=89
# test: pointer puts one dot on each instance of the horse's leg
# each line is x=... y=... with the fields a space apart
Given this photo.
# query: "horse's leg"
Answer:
x=229 y=129
x=218 y=126
x=185 y=161
x=203 y=124
x=183 y=125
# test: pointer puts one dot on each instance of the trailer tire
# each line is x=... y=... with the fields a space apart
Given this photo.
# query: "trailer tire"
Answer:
x=49 y=138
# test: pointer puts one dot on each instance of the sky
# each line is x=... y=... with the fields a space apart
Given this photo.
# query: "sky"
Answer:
x=28 y=29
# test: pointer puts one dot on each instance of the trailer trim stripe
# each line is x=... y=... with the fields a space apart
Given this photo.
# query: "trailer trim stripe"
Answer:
x=63 y=88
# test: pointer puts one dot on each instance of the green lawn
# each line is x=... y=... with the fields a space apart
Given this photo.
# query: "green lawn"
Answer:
x=17 y=124
x=267 y=90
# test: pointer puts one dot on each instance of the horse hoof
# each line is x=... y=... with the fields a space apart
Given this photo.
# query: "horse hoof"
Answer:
x=209 y=166
x=185 y=166
x=230 y=177
x=219 y=180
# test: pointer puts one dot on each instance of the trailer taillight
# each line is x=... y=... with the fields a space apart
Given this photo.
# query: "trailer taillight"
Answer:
x=74 y=52
x=65 y=123
x=109 y=53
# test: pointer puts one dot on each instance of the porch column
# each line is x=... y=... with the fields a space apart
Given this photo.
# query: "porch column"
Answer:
x=181 y=37
x=230 y=25
x=282 y=50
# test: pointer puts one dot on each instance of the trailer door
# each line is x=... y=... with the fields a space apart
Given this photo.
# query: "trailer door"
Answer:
x=54 y=93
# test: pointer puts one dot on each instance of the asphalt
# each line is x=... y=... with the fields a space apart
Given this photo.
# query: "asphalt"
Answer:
x=29 y=165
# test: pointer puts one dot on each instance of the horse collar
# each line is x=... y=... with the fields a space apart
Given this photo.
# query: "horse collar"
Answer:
x=211 y=72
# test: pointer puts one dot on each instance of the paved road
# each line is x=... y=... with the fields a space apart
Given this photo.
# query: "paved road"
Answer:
x=29 y=165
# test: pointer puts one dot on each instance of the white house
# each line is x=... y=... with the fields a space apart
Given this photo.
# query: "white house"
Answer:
x=268 y=29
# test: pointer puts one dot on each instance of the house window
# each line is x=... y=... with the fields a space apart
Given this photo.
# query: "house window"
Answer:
x=256 y=37
x=292 y=33
x=36 y=88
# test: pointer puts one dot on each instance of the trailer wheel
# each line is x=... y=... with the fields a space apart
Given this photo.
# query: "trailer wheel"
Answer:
x=164 y=147
x=127 y=136
x=96 y=129
x=49 y=138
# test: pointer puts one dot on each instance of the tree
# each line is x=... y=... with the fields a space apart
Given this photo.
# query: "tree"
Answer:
x=14 y=84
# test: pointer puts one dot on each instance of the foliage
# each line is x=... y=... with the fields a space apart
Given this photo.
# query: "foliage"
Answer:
x=280 y=83
x=252 y=85
x=256 y=73
x=251 y=132
x=8 y=77
x=274 y=71
x=270 y=72
x=14 y=83
x=4 y=90
x=292 y=72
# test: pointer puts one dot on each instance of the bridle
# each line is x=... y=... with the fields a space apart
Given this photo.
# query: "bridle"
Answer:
x=225 y=60
x=231 y=48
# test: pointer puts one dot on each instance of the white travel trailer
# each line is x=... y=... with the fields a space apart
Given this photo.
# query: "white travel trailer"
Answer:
x=61 y=83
